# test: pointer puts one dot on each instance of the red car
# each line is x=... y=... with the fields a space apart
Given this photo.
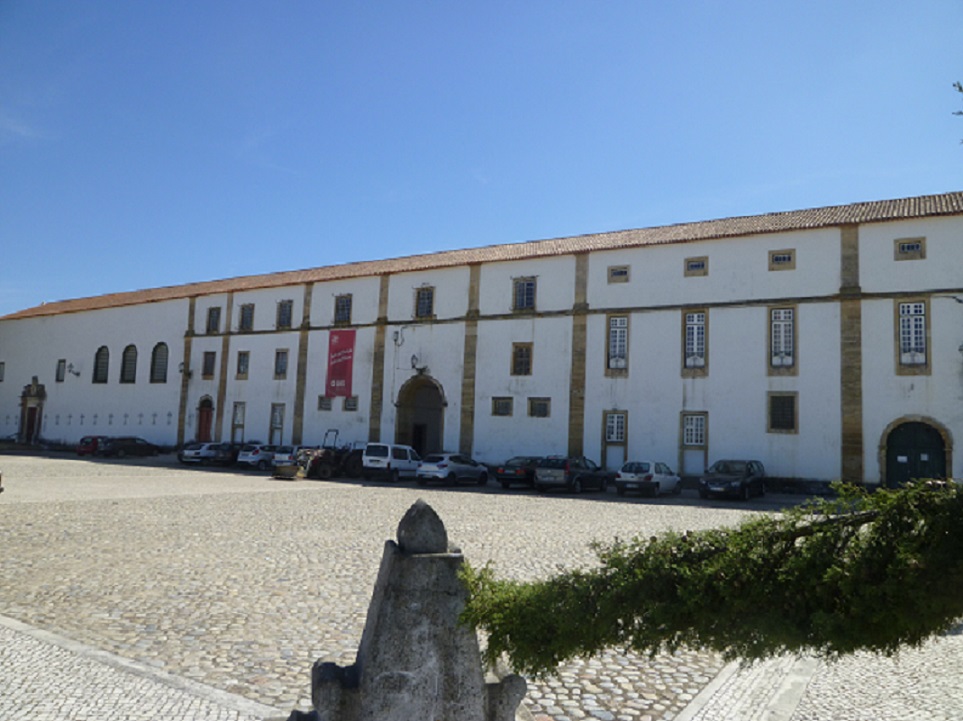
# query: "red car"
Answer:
x=91 y=445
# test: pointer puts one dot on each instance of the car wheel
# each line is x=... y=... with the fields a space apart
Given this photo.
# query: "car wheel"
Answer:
x=483 y=479
x=452 y=479
x=262 y=465
x=577 y=486
x=325 y=471
x=505 y=485
x=678 y=489
x=366 y=476
x=703 y=493
x=121 y=453
x=353 y=466
x=540 y=489
x=620 y=490
x=395 y=476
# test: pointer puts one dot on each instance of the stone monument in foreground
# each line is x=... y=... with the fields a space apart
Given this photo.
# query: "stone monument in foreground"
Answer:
x=416 y=662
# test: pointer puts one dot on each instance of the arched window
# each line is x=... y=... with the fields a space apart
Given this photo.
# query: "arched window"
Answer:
x=158 y=364
x=101 y=364
x=128 y=365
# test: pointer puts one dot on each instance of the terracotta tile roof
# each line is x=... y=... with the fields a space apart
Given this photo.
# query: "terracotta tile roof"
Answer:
x=868 y=212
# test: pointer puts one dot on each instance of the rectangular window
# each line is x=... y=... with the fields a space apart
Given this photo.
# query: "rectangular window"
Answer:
x=618 y=345
x=694 y=430
x=912 y=333
x=61 y=370
x=697 y=266
x=280 y=364
x=424 y=302
x=324 y=403
x=214 y=319
x=246 y=321
x=277 y=423
x=782 y=413
x=285 y=314
x=504 y=406
x=208 y=364
x=523 y=297
x=695 y=340
x=237 y=416
x=521 y=359
x=615 y=422
x=782 y=259
x=782 y=337
x=909 y=249
x=342 y=309
x=350 y=403
x=539 y=407
x=243 y=364
x=618 y=274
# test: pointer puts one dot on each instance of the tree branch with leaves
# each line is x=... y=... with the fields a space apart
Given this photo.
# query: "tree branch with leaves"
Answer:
x=873 y=571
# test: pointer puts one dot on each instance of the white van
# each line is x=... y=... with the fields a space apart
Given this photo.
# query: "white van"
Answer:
x=391 y=461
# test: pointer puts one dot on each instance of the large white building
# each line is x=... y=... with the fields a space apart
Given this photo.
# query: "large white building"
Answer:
x=824 y=342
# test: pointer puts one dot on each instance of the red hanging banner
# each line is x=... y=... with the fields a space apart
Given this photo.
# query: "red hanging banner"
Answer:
x=340 y=363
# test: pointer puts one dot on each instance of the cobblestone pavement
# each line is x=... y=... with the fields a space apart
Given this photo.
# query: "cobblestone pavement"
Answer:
x=223 y=588
x=241 y=582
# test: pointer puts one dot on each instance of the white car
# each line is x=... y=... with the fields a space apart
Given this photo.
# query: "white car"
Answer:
x=451 y=468
x=648 y=477
x=198 y=453
x=388 y=460
x=256 y=455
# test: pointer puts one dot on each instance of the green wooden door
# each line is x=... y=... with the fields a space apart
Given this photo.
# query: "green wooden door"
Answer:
x=914 y=450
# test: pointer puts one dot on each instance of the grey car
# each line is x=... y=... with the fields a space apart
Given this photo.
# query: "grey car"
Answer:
x=575 y=474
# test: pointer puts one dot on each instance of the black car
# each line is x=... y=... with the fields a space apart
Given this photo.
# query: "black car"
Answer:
x=520 y=470
x=734 y=478
x=128 y=446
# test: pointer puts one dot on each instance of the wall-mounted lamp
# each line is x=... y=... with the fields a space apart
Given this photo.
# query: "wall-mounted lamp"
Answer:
x=180 y=369
x=71 y=371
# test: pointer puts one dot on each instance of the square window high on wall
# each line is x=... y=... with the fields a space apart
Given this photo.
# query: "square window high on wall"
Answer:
x=424 y=302
x=342 y=309
x=523 y=295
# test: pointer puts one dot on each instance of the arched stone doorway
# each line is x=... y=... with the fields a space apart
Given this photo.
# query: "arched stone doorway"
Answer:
x=205 y=419
x=915 y=448
x=421 y=414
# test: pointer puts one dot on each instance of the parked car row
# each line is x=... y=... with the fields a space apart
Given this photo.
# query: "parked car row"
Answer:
x=116 y=446
x=395 y=462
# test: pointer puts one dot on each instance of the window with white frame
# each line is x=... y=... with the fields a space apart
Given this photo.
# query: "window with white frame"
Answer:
x=618 y=274
x=243 y=363
x=781 y=337
x=237 y=415
x=912 y=333
x=695 y=339
x=694 y=430
x=695 y=267
x=277 y=423
x=909 y=249
x=618 y=345
x=615 y=422
x=523 y=296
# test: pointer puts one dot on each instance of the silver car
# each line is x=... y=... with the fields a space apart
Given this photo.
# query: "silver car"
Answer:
x=451 y=468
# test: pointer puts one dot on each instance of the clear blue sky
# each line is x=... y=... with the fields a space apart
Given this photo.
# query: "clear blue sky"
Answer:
x=151 y=143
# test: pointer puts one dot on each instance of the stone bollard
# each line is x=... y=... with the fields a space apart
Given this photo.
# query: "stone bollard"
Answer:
x=416 y=662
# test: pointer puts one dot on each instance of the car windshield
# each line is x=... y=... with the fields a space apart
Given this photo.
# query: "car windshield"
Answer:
x=729 y=467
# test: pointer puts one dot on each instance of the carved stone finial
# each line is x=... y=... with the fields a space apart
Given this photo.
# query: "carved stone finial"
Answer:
x=422 y=531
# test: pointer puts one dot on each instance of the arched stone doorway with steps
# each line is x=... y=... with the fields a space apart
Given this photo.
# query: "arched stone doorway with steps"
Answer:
x=420 y=421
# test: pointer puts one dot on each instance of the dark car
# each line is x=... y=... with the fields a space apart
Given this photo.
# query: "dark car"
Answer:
x=733 y=478
x=90 y=445
x=575 y=474
x=520 y=470
x=225 y=454
x=128 y=446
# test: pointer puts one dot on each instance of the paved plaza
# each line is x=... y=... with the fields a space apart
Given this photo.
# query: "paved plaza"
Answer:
x=147 y=590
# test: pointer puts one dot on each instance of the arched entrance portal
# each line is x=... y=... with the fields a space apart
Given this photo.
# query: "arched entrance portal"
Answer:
x=421 y=414
x=914 y=449
x=205 y=419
